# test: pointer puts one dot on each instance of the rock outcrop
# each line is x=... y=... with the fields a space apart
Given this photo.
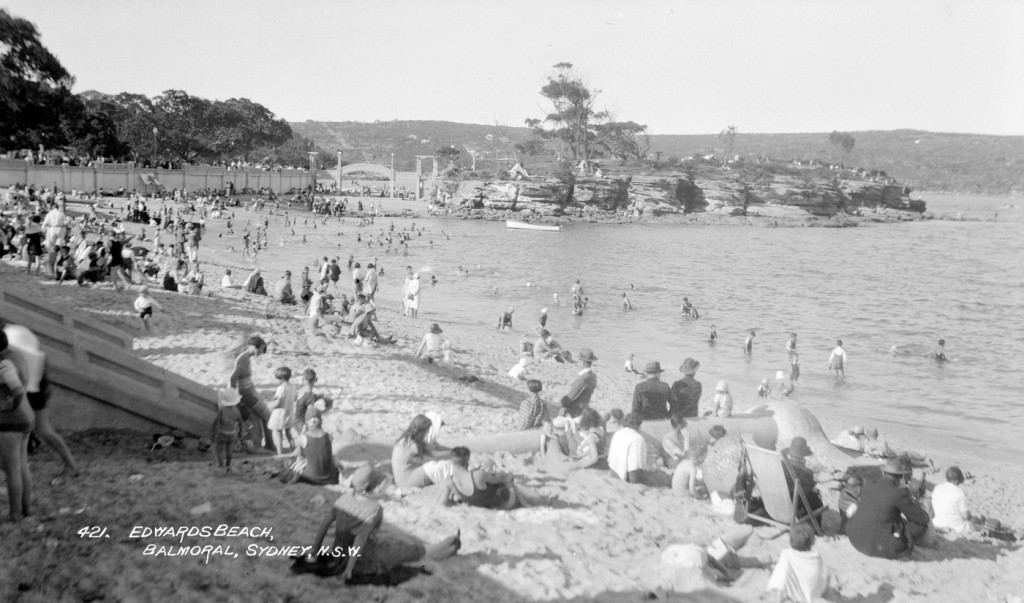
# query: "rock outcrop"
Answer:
x=781 y=194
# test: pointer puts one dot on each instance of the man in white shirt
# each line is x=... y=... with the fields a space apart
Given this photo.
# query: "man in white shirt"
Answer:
x=950 y=504
x=225 y=281
x=627 y=452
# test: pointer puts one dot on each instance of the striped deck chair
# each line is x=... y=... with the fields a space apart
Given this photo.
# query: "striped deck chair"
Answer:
x=770 y=470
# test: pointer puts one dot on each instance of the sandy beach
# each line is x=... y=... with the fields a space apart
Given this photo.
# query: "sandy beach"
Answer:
x=596 y=538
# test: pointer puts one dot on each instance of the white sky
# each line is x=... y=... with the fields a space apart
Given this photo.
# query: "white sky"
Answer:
x=679 y=67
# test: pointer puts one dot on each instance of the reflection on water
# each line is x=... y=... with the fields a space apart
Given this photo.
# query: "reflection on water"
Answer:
x=875 y=287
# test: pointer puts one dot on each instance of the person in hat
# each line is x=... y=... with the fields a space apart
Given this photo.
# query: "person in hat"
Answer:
x=368 y=554
x=687 y=391
x=722 y=400
x=800 y=475
x=433 y=347
x=578 y=397
x=950 y=504
x=784 y=386
x=533 y=411
x=888 y=521
x=226 y=427
x=652 y=397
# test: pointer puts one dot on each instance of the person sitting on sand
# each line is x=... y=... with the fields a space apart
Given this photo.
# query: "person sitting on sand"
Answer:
x=688 y=477
x=478 y=487
x=533 y=411
x=875 y=446
x=802 y=476
x=722 y=401
x=433 y=347
x=849 y=496
x=411 y=451
x=366 y=552
x=652 y=398
x=800 y=573
x=518 y=372
x=676 y=443
x=225 y=281
x=361 y=315
x=888 y=521
x=687 y=391
x=315 y=463
x=950 y=504
x=577 y=399
x=627 y=451
x=283 y=289
x=764 y=390
x=576 y=444
x=254 y=284
x=628 y=366
x=720 y=460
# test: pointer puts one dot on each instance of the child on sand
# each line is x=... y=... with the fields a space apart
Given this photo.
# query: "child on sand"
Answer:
x=226 y=427
x=144 y=306
x=309 y=402
x=722 y=400
x=533 y=412
x=628 y=367
x=800 y=574
x=282 y=408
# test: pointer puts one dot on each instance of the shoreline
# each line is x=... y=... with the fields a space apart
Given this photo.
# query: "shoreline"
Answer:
x=600 y=537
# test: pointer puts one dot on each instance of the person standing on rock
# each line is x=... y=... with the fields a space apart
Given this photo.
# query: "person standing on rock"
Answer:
x=687 y=391
x=578 y=398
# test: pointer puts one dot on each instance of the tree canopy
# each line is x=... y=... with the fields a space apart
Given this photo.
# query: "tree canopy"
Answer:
x=573 y=115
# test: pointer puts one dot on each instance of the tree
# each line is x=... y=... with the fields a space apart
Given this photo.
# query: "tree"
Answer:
x=843 y=141
x=625 y=139
x=186 y=125
x=449 y=154
x=728 y=139
x=34 y=87
x=573 y=113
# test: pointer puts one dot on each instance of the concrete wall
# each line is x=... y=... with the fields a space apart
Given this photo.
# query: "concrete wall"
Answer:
x=112 y=176
x=98 y=378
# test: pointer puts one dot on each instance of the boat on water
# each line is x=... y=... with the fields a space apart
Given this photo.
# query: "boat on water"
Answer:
x=527 y=226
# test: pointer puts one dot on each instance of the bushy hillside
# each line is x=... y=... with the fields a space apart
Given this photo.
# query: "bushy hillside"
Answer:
x=926 y=160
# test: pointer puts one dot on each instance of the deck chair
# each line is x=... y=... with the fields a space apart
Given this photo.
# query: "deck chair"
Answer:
x=770 y=470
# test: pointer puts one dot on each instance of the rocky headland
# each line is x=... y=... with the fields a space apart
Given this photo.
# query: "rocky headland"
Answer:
x=767 y=194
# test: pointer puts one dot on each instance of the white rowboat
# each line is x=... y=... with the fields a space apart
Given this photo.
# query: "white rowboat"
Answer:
x=527 y=226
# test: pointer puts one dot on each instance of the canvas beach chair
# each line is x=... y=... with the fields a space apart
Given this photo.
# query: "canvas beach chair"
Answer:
x=770 y=470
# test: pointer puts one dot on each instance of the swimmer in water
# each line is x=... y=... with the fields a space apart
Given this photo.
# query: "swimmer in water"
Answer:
x=626 y=304
x=748 y=344
x=495 y=292
x=505 y=320
x=713 y=336
x=940 y=351
x=433 y=280
x=557 y=303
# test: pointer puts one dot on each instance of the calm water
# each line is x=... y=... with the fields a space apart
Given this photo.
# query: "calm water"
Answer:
x=904 y=285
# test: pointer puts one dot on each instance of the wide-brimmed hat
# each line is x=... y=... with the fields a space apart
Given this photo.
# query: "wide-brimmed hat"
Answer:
x=228 y=397
x=689 y=366
x=653 y=368
x=587 y=355
x=798 y=448
x=434 y=328
x=896 y=466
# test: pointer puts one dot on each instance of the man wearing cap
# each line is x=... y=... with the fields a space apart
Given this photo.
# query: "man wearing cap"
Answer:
x=888 y=521
x=652 y=398
x=578 y=398
x=687 y=391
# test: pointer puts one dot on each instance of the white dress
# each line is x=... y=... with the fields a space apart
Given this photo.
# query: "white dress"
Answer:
x=414 y=292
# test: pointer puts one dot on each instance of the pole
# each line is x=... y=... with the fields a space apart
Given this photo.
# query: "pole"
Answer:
x=392 y=175
x=153 y=159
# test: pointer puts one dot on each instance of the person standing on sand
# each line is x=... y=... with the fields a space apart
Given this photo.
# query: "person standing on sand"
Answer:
x=405 y=291
x=687 y=391
x=241 y=380
x=144 y=306
x=37 y=390
x=837 y=360
x=413 y=295
x=225 y=429
x=16 y=422
x=578 y=398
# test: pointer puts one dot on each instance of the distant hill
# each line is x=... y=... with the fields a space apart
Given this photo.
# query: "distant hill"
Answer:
x=926 y=160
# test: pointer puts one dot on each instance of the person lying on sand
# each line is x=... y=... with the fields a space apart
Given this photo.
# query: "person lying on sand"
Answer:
x=360 y=547
x=478 y=487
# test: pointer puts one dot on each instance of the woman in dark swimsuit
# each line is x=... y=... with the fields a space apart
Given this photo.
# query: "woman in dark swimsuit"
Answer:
x=15 y=424
x=479 y=487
